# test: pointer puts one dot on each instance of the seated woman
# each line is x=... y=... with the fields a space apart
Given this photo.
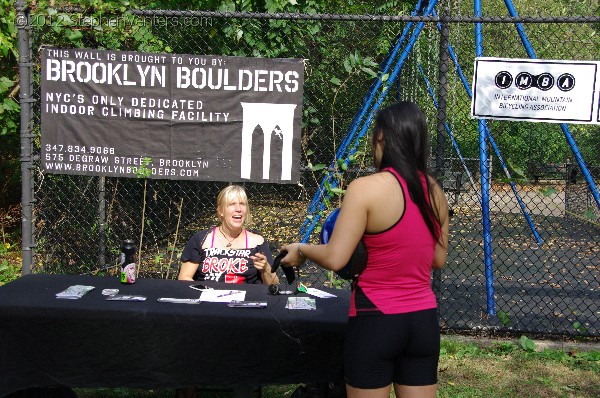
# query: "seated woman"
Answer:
x=228 y=252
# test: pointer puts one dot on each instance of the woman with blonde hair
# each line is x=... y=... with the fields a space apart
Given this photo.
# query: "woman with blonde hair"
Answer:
x=228 y=252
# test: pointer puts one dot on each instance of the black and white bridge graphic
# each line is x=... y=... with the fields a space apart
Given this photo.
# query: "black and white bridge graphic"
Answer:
x=267 y=129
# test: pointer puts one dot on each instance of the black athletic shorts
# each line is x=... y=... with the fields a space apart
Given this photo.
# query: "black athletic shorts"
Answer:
x=384 y=349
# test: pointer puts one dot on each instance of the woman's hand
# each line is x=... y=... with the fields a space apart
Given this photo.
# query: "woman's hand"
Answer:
x=260 y=262
x=294 y=257
x=264 y=269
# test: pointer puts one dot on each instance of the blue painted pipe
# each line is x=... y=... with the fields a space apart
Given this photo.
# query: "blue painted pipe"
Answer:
x=485 y=180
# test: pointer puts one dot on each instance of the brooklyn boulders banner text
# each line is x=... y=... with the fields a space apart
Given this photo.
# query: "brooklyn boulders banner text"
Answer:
x=192 y=117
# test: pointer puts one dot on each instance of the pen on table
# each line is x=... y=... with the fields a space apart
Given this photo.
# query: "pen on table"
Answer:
x=228 y=293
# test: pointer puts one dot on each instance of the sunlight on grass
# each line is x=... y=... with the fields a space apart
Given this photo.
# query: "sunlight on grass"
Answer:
x=504 y=370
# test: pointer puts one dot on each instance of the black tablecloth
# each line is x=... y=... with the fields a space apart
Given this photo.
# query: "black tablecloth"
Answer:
x=91 y=342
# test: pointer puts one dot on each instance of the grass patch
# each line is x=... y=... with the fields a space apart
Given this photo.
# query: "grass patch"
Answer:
x=467 y=370
x=506 y=370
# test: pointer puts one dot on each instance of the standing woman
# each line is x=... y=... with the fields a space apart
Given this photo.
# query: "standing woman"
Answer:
x=228 y=252
x=401 y=215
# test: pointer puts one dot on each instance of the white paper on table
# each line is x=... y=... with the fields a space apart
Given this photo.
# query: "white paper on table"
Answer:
x=74 y=292
x=222 y=296
x=319 y=293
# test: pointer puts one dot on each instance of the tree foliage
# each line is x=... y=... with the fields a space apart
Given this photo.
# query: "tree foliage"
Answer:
x=9 y=106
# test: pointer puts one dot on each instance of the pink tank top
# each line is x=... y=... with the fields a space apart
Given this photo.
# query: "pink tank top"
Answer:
x=397 y=278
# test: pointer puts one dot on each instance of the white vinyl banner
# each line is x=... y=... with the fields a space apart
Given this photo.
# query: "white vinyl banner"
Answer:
x=536 y=90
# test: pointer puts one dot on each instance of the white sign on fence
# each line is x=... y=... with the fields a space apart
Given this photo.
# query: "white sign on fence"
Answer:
x=536 y=90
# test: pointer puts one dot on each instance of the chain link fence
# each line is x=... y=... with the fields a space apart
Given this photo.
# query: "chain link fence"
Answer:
x=549 y=288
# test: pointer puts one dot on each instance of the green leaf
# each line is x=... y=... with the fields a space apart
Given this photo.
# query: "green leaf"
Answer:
x=309 y=152
x=527 y=344
x=5 y=84
x=589 y=214
x=548 y=191
x=516 y=170
x=347 y=65
x=504 y=318
x=313 y=29
x=10 y=105
x=74 y=35
x=64 y=20
x=317 y=167
x=579 y=327
x=369 y=71
x=337 y=191
x=368 y=61
x=57 y=28
x=336 y=81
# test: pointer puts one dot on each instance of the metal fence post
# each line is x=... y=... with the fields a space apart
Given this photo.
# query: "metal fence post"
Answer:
x=442 y=97
x=441 y=123
x=102 y=221
x=25 y=101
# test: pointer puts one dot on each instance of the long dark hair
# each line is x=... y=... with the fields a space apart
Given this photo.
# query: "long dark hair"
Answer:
x=406 y=150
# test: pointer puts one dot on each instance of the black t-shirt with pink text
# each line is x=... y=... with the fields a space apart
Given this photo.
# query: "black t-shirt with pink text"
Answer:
x=229 y=265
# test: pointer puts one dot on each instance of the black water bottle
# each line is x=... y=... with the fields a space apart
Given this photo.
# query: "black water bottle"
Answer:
x=127 y=258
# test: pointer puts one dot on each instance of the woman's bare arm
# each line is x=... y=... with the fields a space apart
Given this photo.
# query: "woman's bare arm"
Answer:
x=440 y=207
x=187 y=271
